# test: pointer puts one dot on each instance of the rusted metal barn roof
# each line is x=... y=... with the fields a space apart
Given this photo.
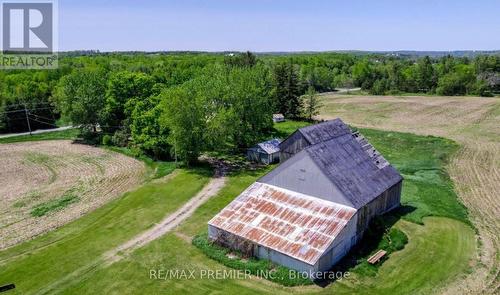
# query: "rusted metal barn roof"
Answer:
x=292 y=223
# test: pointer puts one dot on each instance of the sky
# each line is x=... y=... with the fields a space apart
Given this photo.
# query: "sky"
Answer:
x=279 y=25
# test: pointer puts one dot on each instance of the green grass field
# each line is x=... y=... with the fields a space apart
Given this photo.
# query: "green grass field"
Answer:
x=441 y=243
x=437 y=252
x=157 y=169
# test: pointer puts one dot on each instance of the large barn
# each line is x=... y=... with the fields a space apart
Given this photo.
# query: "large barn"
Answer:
x=308 y=212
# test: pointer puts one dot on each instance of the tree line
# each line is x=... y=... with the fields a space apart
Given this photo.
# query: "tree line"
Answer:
x=180 y=105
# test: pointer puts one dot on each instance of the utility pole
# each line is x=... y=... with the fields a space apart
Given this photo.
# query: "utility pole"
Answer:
x=27 y=119
x=175 y=150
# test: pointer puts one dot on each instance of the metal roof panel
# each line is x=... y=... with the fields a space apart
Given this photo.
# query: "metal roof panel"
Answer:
x=297 y=225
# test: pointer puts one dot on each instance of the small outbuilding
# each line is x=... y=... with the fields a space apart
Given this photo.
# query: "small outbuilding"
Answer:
x=266 y=152
x=278 y=118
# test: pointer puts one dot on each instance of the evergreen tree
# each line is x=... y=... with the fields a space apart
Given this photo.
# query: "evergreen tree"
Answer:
x=293 y=92
x=287 y=90
x=311 y=104
x=279 y=79
x=426 y=78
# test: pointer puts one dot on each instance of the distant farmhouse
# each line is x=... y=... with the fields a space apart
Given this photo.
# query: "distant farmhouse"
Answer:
x=266 y=152
x=308 y=212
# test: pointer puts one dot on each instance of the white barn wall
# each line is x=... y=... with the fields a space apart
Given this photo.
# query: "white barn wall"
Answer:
x=282 y=259
x=340 y=246
x=263 y=252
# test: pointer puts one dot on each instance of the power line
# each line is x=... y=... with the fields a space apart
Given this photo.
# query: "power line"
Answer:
x=45 y=118
x=22 y=104
x=22 y=110
x=13 y=119
x=15 y=111
x=42 y=122
x=27 y=119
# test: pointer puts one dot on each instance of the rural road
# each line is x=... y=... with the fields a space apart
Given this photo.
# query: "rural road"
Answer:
x=339 y=91
x=168 y=223
x=36 y=131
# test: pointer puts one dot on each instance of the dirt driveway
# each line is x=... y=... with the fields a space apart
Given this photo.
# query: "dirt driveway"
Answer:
x=168 y=223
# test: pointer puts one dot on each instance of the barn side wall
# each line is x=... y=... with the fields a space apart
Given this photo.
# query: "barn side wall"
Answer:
x=282 y=259
x=387 y=201
x=275 y=157
x=227 y=239
x=342 y=244
x=249 y=248
x=260 y=156
x=292 y=145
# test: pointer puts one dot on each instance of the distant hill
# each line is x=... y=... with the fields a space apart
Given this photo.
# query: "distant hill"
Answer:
x=455 y=53
x=397 y=53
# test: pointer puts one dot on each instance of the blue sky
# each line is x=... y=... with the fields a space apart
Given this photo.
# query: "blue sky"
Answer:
x=279 y=25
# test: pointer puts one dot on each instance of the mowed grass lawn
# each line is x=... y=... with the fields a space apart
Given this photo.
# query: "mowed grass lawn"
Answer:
x=436 y=253
x=76 y=247
x=440 y=247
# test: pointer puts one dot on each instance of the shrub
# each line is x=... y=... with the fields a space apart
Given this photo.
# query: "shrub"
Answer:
x=89 y=135
x=120 y=138
x=280 y=274
x=106 y=140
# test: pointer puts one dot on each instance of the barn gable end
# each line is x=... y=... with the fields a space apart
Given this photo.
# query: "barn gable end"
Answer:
x=303 y=175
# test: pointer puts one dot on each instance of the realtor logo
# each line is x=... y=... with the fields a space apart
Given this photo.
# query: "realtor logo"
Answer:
x=28 y=34
x=27 y=27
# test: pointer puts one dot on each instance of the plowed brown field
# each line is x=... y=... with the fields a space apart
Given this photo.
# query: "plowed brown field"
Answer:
x=44 y=173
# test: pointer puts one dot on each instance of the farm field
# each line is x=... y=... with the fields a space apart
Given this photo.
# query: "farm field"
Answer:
x=434 y=242
x=52 y=261
x=473 y=122
x=46 y=184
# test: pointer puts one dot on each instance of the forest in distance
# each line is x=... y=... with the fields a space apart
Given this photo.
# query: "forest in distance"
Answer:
x=184 y=104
